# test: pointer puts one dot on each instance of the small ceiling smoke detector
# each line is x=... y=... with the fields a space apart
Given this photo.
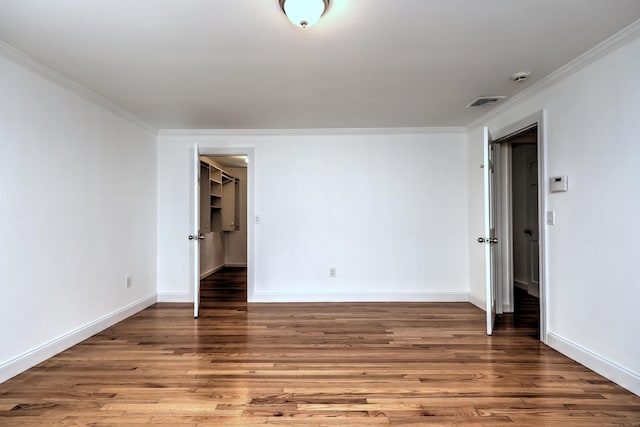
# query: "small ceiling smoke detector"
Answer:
x=520 y=76
x=484 y=100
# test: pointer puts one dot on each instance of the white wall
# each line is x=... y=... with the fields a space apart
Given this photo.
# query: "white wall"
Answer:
x=475 y=217
x=77 y=206
x=235 y=243
x=389 y=211
x=593 y=286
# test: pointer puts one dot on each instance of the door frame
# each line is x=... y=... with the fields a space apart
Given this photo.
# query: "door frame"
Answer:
x=213 y=150
x=505 y=269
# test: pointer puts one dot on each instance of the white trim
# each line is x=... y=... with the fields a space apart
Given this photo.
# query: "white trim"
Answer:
x=505 y=238
x=477 y=302
x=36 y=355
x=18 y=57
x=361 y=297
x=175 y=297
x=211 y=271
x=538 y=119
x=621 y=38
x=220 y=267
x=520 y=284
x=195 y=133
x=211 y=149
x=600 y=364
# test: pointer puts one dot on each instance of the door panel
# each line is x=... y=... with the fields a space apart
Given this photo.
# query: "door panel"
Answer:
x=489 y=230
x=196 y=236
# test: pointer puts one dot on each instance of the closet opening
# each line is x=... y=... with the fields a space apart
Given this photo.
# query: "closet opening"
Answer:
x=518 y=212
x=224 y=225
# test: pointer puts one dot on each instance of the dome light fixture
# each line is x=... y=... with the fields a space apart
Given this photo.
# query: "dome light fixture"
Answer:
x=304 y=13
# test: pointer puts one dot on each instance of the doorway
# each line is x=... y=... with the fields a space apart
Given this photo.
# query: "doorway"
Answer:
x=223 y=251
x=212 y=226
x=520 y=179
x=520 y=286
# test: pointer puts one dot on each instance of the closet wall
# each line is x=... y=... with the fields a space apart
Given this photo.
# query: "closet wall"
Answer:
x=235 y=243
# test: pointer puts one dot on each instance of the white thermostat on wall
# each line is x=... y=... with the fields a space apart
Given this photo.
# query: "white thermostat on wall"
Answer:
x=558 y=184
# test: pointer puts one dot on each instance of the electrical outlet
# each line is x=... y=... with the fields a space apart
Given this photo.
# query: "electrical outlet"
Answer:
x=128 y=282
x=258 y=219
x=332 y=272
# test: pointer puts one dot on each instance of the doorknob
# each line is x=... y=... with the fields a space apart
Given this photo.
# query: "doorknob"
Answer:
x=193 y=237
x=527 y=231
x=490 y=240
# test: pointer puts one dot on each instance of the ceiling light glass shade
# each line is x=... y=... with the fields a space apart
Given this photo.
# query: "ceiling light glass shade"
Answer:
x=304 y=13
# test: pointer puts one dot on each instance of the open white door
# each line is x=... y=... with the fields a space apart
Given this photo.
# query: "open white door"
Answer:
x=489 y=238
x=195 y=236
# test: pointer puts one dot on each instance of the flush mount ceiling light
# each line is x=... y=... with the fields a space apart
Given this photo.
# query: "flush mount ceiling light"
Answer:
x=304 y=13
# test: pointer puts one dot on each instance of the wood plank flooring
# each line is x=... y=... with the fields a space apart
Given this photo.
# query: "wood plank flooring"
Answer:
x=350 y=364
x=226 y=285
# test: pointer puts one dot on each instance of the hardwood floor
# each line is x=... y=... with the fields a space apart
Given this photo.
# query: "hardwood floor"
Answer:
x=350 y=364
x=226 y=285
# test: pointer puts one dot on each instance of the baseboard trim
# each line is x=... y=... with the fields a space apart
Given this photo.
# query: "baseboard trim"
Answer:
x=507 y=308
x=175 y=297
x=477 y=302
x=361 y=297
x=31 y=358
x=212 y=271
x=603 y=366
x=235 y=264
x=520 y=284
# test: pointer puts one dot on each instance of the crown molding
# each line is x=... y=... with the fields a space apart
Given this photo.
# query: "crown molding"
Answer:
x=18 y=57
x=311 y=132
x=613 y=43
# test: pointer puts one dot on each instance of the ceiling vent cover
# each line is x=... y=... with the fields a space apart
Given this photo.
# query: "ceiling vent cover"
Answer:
x=484 y=100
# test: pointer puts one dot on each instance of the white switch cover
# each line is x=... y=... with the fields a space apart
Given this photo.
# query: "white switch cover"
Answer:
x=559 y=184
x=551 y=217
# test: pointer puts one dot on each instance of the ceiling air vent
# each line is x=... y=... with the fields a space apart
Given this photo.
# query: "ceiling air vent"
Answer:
x=484 y=100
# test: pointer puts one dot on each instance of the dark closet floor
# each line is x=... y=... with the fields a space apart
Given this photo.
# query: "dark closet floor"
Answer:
x=226 y=285
x=525 y=320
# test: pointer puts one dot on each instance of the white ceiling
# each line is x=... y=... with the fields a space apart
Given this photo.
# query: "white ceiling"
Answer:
x=367 y=64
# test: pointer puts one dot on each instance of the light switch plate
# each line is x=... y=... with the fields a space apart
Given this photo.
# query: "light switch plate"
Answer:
x=559 y=184
x=551 y=217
